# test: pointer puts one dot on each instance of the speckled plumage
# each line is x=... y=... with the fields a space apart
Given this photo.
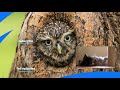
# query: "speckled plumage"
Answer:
x=56 y=32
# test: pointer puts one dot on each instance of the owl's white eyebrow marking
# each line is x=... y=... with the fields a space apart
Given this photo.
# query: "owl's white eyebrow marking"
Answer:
x=45 y=38
x=67 y=33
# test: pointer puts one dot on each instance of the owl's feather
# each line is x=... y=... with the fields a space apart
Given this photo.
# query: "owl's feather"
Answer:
x=60 y=53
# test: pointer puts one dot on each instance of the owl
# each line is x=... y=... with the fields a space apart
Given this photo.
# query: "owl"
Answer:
x=55 y=43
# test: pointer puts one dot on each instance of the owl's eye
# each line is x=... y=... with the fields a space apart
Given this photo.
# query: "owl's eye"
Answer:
x=67 y=38
x=48 y=42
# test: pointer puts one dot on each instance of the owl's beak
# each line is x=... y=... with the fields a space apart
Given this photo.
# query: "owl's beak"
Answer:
x=59 y=48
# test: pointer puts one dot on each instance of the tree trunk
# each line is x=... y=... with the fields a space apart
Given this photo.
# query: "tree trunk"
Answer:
x=114 y=23
x=91 y=30
x=112 y=56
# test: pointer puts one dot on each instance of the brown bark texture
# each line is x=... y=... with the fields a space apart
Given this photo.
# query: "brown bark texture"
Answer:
x=114 y=23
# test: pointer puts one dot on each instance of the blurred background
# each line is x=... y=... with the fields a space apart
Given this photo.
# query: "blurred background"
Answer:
x=8 y=46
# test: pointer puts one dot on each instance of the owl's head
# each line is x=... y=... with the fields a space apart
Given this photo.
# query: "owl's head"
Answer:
x=56 y=41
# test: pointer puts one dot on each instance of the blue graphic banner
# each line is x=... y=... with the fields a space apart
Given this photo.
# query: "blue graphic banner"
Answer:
x=95 y=75
x=4 y=15
x=2 y=37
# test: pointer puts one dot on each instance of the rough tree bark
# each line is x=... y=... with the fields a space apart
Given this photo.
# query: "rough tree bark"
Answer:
x=114 y=23
x=91 y=30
